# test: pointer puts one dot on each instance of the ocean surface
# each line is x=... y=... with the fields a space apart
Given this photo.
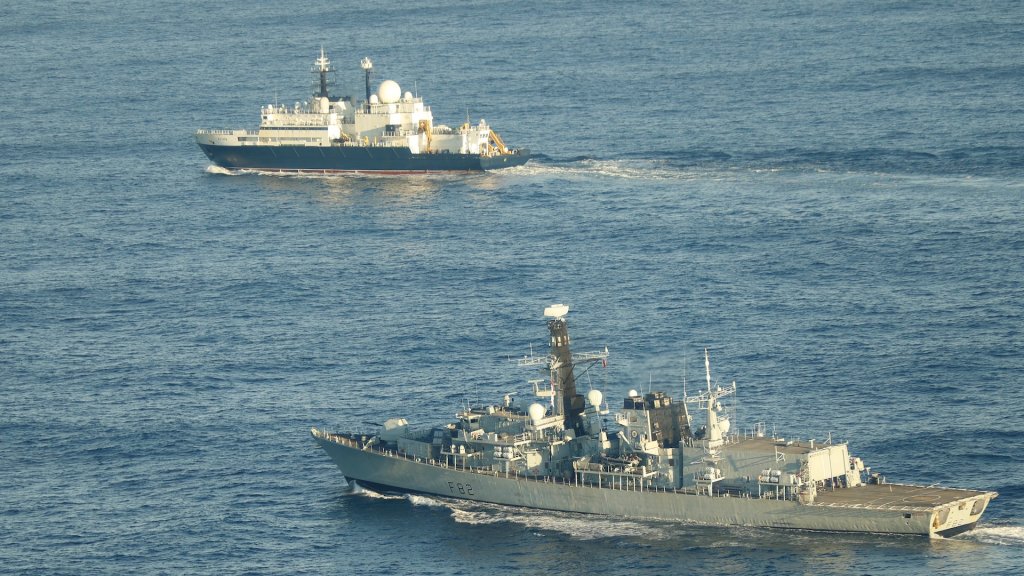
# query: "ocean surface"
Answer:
x=828 y=195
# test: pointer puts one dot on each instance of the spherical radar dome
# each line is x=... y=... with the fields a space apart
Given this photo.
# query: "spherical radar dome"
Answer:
x=389 y=92
x=536 y=412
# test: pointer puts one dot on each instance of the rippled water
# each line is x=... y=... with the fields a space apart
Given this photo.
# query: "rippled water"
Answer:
x=827 y=195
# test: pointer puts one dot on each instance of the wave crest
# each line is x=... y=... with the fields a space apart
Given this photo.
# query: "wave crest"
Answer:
x=419 y=500
x=214 y=169
x=367 y=493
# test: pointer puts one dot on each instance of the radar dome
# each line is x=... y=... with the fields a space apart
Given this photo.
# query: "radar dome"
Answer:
x=595 y=397
x=389 y=92
x=556 y=310
x=536 y=412
x=374 y=99
x=633 y=394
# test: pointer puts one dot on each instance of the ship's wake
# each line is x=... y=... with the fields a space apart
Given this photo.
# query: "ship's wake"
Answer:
x=417 y=500
x=214 y=169
x=367 y=493
x=633 y=169
x=337 y=176
x=999 y=535
x=576 y=526
x=969 y=162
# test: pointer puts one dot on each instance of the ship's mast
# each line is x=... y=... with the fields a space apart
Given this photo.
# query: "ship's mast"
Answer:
x=560 y=363
x=368 y=68
x=568 y=404
x=716 y=429
x=322 y=66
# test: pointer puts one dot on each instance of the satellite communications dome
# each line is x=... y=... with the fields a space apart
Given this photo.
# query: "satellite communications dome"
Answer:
x=537 y=412
x=389 y=92
x=556 y=310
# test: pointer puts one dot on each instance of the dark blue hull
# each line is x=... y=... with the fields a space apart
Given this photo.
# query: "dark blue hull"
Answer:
x=326 y=160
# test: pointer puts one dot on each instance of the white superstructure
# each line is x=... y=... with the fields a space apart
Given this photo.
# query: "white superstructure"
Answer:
x=387 y=118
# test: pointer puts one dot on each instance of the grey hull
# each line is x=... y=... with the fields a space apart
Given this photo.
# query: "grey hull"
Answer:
x=404 y=474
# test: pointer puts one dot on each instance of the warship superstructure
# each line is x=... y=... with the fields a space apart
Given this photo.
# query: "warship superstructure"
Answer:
x=558 y=453
x=390 y=132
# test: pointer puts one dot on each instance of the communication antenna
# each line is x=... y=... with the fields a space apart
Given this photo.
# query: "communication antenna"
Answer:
x=322 y=67
x=684 y=375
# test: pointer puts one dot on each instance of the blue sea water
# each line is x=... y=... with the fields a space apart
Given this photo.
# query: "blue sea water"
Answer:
x=828 y=195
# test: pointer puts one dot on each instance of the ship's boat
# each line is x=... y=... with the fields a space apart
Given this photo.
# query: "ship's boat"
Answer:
x=390 y=132
x=558 y=453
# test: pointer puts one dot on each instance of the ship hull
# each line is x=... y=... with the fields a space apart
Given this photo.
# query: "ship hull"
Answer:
x=349 y=159
x=371 y=468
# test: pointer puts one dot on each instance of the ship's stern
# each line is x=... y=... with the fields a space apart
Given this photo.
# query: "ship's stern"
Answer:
x=512 y=158
x=960 y=516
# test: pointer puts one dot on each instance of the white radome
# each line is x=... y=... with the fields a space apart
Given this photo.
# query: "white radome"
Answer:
x=537 y=412
x=389 y=92
x=556 y=310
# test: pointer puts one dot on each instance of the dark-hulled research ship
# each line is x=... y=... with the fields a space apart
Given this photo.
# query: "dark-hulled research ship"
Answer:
x=558 y=453
x=390 y=132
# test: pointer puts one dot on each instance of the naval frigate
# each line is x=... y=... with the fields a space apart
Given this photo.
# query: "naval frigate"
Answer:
x=390 y=132
x=559 y=453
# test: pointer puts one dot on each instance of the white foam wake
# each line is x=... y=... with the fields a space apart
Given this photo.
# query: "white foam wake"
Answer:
x=999 y=535
x=417 y=500
x=338 y=176
x=367 y=493
x=618 y=169
x=577 y=526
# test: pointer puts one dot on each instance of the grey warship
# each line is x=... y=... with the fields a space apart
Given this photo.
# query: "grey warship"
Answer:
x=654 y=462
